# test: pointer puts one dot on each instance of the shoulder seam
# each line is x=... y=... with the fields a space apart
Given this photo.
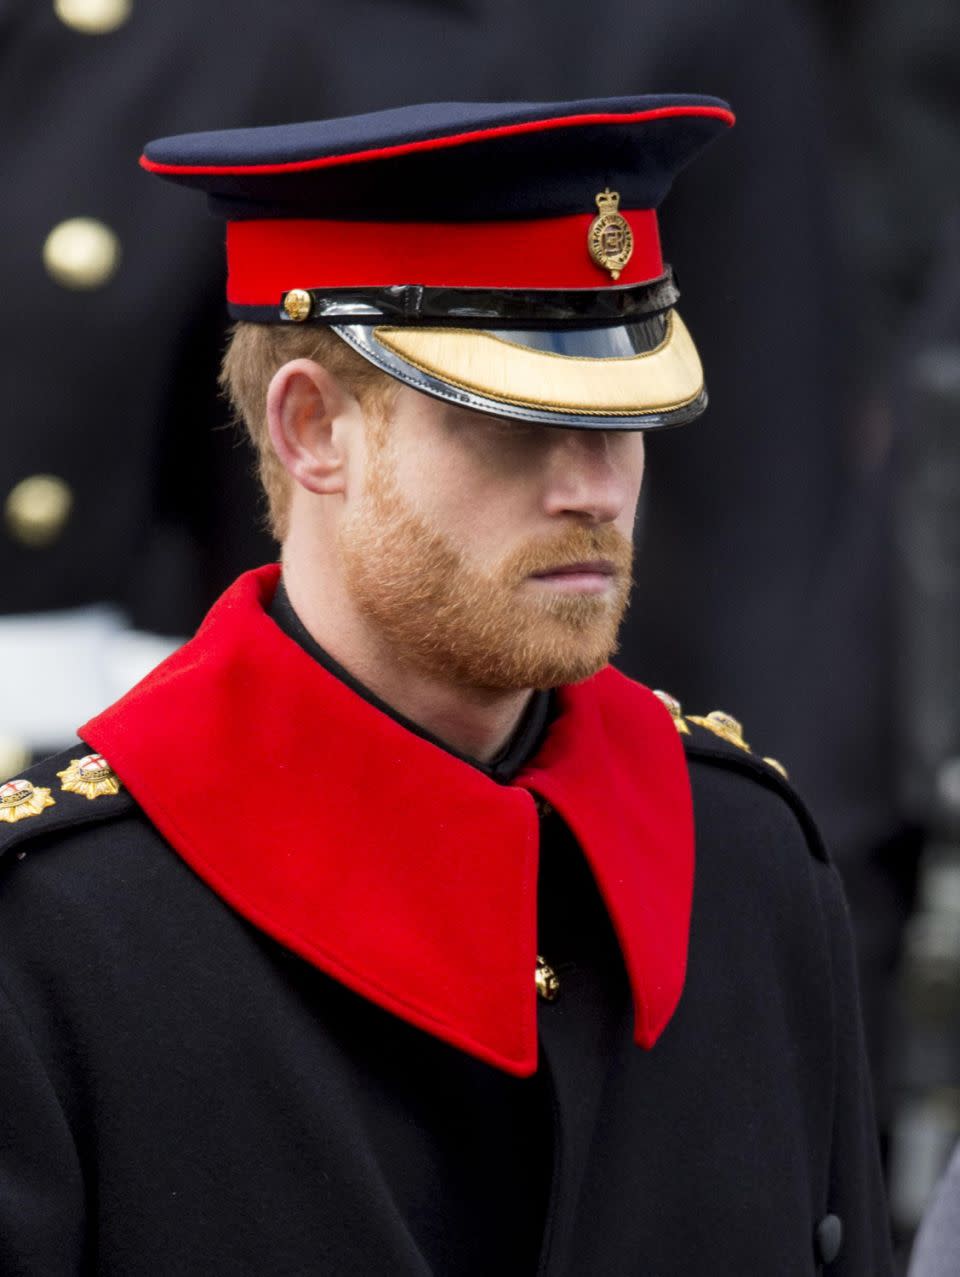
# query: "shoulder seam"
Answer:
x=28 y=831
x=747 y=764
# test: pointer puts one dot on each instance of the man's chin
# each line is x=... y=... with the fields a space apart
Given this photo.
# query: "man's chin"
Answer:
x=575 y=617
x=541 y=643
x=518 y=666
x=543 y=677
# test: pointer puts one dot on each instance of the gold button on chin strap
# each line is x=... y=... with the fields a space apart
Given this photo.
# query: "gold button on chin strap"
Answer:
x=297 y=305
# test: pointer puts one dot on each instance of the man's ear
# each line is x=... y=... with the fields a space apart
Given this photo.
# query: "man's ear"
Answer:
x=303 y=402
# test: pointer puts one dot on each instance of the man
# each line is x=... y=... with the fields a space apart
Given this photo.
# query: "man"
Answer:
x=381 y=945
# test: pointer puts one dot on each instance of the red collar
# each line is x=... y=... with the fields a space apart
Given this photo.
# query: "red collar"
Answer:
x=399 y=870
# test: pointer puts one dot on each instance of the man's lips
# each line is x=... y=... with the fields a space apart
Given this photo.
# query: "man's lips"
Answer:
x=588 y=577
x=592 y=567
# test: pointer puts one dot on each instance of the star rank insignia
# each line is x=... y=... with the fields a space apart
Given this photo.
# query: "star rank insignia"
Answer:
x=19 y=800
x=610 y=238
x=723 y=725
x=676 y=711
x=92 y=776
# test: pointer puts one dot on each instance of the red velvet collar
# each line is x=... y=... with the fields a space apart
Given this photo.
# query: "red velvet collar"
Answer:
x=399 y=870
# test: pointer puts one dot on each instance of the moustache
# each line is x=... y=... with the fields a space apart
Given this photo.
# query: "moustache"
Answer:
x=574 y=545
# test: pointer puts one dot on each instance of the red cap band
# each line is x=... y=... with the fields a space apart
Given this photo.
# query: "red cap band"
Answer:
x=268 y=258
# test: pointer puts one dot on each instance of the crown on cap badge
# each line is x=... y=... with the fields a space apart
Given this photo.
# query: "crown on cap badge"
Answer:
x=610 y=238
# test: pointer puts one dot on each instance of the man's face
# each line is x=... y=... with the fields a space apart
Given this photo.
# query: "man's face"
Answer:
x=490 y=552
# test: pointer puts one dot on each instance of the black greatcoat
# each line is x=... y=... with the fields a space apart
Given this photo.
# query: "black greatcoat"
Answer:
x=180 y=1093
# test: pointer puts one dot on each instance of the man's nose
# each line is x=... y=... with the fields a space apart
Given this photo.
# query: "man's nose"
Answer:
x=583 y=478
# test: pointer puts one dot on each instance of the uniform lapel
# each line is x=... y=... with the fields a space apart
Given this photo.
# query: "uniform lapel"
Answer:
x=388 y=863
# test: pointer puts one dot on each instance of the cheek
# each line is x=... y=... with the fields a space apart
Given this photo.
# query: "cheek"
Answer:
x=471 y=491
x=637 y=475
x=478 y=521
x=631 y=465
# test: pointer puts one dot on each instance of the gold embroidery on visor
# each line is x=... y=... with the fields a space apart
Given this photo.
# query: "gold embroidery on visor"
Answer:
x=659 y=380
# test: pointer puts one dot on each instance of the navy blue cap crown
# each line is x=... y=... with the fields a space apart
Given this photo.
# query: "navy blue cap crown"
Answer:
x=448 y=161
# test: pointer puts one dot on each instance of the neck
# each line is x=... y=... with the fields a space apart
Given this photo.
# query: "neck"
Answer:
x=476 y=722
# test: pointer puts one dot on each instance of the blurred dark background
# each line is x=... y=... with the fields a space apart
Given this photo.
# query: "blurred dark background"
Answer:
x=799 y=558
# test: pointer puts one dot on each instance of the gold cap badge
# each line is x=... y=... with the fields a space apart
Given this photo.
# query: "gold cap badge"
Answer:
x=91 y=776
x=610 y=238
x=19 y=799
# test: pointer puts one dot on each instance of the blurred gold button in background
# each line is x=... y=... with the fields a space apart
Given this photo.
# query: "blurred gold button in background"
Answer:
x=93 y=17
x=81 y=253
x=14 y=757
x=37 y=510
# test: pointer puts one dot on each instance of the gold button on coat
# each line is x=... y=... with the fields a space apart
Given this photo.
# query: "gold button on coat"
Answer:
x=81 y=253
x=548 y=985
x=37 y=509
x=93 y=17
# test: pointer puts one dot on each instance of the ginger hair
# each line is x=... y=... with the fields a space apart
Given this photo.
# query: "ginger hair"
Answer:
x=253 y=355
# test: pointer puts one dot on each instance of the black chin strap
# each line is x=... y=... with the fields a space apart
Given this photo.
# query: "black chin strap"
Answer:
x=476 y=307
